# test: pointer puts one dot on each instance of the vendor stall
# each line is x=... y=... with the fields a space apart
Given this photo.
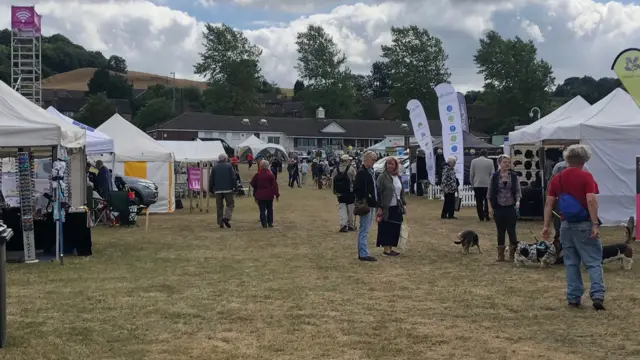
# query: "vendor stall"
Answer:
x=28 y=132
x=138 y=155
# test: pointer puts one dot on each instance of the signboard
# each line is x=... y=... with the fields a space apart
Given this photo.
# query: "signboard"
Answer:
x=452 y=140
x=26 y=21
x=194 y=178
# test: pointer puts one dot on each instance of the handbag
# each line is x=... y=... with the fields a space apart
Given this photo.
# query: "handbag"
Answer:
x=404 y=236
x=458 y=203
x=360 y=207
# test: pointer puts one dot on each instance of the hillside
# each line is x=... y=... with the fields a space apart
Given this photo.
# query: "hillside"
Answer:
x=78 y=79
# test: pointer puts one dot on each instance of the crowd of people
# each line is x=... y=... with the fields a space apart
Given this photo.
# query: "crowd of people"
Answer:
x=571 y=204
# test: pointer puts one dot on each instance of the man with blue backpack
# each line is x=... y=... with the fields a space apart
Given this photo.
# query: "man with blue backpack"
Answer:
x=574 y=191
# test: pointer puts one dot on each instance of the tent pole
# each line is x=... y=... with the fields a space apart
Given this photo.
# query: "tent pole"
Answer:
x=206 y=185
x=200 y=202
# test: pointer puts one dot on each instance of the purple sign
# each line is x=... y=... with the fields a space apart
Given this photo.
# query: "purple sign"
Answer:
x=26 y=20
x=193 y=178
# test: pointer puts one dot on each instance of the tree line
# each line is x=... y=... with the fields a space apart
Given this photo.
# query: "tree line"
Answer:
x=515 y=78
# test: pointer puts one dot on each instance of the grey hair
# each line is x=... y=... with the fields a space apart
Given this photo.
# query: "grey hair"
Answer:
x=223 y=158
x=264 y=164
x=577 y=154
x=370 y=154
x=451 y=160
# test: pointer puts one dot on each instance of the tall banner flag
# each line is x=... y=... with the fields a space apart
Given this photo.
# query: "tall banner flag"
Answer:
x=423 y=136
x=627 y=67
x=452 y=143
x=462 y=102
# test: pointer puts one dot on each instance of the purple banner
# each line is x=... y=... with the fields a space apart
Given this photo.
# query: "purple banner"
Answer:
x=26 y=20
x=193 y=178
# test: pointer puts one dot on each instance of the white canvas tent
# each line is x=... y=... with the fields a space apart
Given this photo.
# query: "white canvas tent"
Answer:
x=96 y=141
x=23 y=123
x=138 y=155
x=194 y=151
x=258 y=147
x=532 y=133
x=611 y=128
x=378 y=147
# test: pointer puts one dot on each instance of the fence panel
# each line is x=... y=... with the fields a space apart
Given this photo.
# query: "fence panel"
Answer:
x=466 y=193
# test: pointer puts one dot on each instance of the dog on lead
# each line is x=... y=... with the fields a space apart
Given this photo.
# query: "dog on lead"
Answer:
x=621 y=252
x=468 y=239
x=543 y=252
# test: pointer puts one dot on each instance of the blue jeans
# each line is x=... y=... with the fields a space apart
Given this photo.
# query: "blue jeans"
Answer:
x=363 y=232
x=577 y=246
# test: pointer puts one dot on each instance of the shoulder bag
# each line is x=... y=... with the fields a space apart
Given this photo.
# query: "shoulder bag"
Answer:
x=360 y=206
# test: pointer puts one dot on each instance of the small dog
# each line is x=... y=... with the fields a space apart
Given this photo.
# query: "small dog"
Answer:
x=543 y=252
x=468 y=239
x=621 y=252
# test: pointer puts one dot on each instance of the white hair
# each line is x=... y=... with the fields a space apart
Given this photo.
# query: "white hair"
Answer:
x=223 y=158
x=264 y=164
x=451 y=160
x=577 y=154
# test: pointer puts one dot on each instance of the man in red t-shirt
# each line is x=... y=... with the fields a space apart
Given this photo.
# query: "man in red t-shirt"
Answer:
x=575 y=191
x=250 y=160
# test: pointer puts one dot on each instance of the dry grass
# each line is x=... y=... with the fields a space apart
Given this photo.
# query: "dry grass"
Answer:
x=78 y=79
x=188 y=290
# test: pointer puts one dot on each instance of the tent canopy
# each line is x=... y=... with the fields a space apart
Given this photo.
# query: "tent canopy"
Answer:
x=378 y=147
x=194 y=151
x=614 y=110
x=97 y=142
x=23 y=123
x=532 y=133
x=131 y=143
x=469 y=141
x=258 y=147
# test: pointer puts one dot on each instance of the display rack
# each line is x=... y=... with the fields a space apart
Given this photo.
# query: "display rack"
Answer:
x=26 y=183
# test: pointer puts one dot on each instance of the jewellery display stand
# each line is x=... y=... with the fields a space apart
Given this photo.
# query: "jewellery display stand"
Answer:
x=26 y=183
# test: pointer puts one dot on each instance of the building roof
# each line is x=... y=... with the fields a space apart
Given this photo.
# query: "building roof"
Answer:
x=296 y=127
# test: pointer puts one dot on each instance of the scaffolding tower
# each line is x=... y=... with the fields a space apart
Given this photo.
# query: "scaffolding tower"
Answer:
x=26 y=64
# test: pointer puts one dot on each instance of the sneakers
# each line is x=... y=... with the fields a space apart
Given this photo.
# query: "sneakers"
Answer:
x=344 y=229
x=390 y=253
x=351 y=228
x=598 y=304
x=226 y=223
x=367 y=258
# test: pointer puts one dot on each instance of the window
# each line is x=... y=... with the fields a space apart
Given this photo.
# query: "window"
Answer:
x=273 y=139
x=222 y=135
x=235 y=136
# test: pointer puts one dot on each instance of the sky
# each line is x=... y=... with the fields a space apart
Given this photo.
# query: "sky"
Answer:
x=578 y=37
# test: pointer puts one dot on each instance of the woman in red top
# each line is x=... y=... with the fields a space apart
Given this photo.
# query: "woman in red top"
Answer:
x=265 y=188
x=234 y=163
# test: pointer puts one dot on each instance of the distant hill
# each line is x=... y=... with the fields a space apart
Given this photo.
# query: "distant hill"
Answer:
x=78 y=79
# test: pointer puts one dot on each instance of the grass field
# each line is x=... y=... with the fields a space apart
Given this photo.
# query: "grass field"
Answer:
x=189 y=290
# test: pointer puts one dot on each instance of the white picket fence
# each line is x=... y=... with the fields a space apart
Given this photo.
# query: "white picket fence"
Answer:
x=466 y=193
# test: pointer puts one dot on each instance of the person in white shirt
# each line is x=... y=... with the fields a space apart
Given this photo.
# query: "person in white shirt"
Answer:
x=304 y=169
x=414 y=176
x=480 y=176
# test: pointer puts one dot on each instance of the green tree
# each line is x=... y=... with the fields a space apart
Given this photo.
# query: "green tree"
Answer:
x=589 y=88
x=223 y=45
x=99 y=82
x=380 y=79
x=298 y=88
x=417 y=63
x=154 y=112
x=328 y=81
x=117 y=64
x=97 y=110
x=119 y=87
x=515 y=79
x=235 y=92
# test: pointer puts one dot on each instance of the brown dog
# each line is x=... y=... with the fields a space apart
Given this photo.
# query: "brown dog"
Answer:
x=468 y=239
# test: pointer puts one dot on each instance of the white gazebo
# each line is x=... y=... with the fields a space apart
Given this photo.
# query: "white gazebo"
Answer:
x=96 y=141
x=258 y=147
x=194 y=151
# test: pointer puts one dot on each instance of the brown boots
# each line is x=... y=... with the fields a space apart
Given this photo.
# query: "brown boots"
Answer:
x=512 y=253
x=500 y=254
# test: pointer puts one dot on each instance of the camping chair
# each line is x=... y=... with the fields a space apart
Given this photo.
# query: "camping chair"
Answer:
x=120 y=204
x=98 y=208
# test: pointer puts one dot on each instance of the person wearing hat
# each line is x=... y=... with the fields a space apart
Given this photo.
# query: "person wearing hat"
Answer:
x=343 y=177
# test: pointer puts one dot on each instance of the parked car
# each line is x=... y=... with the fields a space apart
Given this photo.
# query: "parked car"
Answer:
x=146 y=191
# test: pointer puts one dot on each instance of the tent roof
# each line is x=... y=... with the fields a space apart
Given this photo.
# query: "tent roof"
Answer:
x=194 y=151
x=469 y=141
x=251 y=140
x=608 y=117
x=23 y=123
x=531 y=133
x=131 y=143
x=96 y=141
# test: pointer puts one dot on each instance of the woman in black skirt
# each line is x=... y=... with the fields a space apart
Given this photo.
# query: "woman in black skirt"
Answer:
x=391 y=207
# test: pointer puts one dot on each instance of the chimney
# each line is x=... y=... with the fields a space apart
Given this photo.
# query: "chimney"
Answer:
x=263 y=122
x=320 y=113
x=245 y=121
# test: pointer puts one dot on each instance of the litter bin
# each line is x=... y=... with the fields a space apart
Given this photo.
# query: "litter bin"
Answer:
x=5 y=235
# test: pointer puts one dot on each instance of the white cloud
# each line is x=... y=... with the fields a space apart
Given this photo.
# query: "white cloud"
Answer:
x=587 y=34
x=532 y=30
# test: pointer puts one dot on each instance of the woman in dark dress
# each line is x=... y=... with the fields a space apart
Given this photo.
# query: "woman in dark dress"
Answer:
x=449 y=186
x=391 y=207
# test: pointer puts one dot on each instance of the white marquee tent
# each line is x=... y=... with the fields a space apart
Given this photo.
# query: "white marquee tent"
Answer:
x=194 y=151
x=97 y=142
x=23 y=123
x=138 y=155
x=257 y=146
x=611 y=128
x=532 y=133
